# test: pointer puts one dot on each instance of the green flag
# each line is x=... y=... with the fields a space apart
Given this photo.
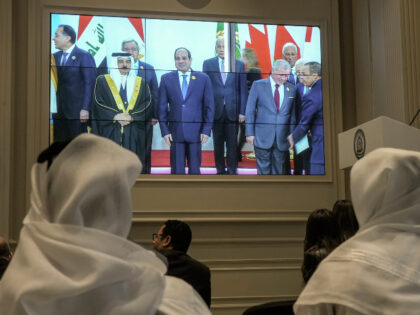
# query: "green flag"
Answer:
x=237 y=44
x=220 y=32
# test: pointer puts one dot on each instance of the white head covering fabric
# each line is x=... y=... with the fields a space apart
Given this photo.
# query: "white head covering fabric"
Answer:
x=118 y=78
x=73 y=256
x=377 y=271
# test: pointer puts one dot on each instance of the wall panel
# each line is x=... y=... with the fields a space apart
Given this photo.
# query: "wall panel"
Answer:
x=248 y=230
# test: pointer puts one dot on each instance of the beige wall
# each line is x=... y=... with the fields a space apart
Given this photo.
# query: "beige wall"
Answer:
x=248 y=230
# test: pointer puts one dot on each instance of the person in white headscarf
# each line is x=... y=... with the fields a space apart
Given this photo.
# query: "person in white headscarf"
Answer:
x=73 y=255
x=121 y=106
x=377 y=271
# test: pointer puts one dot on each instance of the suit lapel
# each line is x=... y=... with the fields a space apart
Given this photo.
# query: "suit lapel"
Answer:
x=285 y=95
x=70 y=59
x=176 y=85
x=269 y=92
x=58 y=62
x=216 y=65
x=191 y=85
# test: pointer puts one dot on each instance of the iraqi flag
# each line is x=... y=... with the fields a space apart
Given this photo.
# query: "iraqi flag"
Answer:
x=102 y=36
x=91 y=37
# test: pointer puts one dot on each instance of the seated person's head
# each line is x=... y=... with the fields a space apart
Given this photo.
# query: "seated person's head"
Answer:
x=5 y=255
x=321 y=230
x=343 y=213
x=174 y=234
x=320 y=240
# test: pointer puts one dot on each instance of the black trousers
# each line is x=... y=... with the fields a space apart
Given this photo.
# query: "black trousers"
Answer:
x=225 y=131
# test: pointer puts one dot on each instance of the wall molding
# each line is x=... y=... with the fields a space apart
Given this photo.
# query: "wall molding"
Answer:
x=241 y=302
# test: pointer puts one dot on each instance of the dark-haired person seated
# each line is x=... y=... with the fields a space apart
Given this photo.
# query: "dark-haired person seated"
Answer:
x=5 y=256
x=345 y=217
x=173 y=241
x=320 y=240
x=377 y=270
x=73 y=255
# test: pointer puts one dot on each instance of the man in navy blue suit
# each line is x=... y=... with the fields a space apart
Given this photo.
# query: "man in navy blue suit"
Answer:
x=186 y=113
x=76 y=71
x=302 y=160
x=147 y=72
x=230 y=94
x=270 y=118
x=312 y=117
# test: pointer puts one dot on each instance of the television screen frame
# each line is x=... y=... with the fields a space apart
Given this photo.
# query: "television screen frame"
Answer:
x=322 y=25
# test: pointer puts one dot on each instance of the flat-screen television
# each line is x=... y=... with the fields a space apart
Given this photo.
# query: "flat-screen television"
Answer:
x=191 y=97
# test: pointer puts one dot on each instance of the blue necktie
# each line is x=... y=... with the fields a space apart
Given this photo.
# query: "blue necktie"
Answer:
x=222 y=71
x=184 y=85
x=292 y=78
x=64 y=59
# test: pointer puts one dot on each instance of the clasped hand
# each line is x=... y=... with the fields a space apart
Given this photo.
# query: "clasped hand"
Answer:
x=123 y=119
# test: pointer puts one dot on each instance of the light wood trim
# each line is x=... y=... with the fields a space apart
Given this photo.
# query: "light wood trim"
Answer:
x=5 y=113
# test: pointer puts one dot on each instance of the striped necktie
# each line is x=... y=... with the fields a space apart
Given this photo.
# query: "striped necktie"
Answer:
x=64 y=59
x=184 y=85
x=222 y=71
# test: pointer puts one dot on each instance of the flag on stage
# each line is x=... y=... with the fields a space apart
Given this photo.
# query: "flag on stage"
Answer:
x=91 y=37
x=220 y=32
x=282 y=37
x=53 y=85
x=258 y=35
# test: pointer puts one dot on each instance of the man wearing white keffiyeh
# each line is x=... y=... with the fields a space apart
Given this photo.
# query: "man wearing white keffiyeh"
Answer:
x=122 y=106
x=73 y=256
x=377 y=271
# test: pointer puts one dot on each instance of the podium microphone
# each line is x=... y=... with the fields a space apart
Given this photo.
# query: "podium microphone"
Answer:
x=414 y=118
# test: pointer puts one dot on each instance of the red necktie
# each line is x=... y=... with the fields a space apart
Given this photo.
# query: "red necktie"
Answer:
x=277 y=97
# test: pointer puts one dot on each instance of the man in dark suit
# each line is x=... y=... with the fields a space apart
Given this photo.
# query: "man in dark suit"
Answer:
x=173 y=241
x=312 y=117
x=302 y=160
x=147 y=72
x=186 y=113
x=270 y=118
x=230 y=94
x=76 y=71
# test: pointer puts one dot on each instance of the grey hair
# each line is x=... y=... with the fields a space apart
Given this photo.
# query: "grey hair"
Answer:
x=129 y=40
x=314 y=67
x=301 y=61
x=281 y=64
x=289 y=45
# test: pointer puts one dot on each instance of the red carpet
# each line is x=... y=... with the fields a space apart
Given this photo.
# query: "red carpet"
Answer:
x=160 y=158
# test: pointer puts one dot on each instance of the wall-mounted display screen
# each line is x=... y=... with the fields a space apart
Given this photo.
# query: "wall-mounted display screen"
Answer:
x=192 y=97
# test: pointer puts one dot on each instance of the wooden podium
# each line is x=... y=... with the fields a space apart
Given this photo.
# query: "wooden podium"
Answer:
x=381 y=132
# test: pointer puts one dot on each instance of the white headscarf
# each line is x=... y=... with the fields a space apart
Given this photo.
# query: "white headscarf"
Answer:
x=118 y=78
x=377 y=271
x=73 y=256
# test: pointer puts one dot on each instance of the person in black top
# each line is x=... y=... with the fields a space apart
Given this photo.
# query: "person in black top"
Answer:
x=173 y=241
x=253 y=73
x=5 y=256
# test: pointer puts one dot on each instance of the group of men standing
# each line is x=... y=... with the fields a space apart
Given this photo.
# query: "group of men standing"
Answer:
x=124 y=104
